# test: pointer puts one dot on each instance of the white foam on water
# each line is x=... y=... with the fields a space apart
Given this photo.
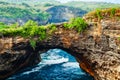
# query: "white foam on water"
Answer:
x=71 y=64
x=56 y=61
x=74 y=66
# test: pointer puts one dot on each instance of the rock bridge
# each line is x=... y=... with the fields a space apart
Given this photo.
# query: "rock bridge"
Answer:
x=97 y=50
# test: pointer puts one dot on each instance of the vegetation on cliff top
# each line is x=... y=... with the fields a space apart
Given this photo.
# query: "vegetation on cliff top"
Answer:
x=104 y=14
x=76 y=23
x=31 y=29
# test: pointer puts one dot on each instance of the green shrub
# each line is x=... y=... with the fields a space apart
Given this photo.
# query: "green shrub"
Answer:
x=76 y=23
x=98 y=14
x=30 y=23
x=42 y=33
x=52 y=28
x=33 y=44
x=112 y=12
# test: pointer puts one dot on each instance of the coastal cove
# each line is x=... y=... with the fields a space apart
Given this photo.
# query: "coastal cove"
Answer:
x=93 y=41
x=55 y=65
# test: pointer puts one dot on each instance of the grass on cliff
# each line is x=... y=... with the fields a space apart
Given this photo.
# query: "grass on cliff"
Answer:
x=104 y=14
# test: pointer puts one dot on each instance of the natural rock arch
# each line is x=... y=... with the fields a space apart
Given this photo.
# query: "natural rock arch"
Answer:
x=97 y=54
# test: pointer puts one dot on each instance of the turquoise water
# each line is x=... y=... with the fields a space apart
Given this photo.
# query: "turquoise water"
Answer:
x=56 y=65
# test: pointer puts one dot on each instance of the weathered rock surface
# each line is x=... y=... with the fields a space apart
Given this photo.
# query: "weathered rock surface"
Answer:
x=12 y=61
x=97 y=50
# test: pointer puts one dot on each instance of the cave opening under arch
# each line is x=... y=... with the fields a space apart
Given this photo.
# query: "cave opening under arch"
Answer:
x=56 y=64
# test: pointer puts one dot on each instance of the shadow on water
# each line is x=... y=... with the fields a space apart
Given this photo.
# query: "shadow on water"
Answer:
x=55 y=65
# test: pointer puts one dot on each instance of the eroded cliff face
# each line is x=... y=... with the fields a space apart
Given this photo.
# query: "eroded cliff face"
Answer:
x=16 y=56
x=97 y=50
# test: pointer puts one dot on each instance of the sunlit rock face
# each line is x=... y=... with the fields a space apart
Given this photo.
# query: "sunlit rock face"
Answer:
x=97 y=50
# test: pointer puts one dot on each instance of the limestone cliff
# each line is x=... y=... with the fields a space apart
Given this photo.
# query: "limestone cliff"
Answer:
x=97 y=49
x=12 y=61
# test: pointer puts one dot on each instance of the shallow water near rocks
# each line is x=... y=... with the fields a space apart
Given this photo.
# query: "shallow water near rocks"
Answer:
x=56 y=65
